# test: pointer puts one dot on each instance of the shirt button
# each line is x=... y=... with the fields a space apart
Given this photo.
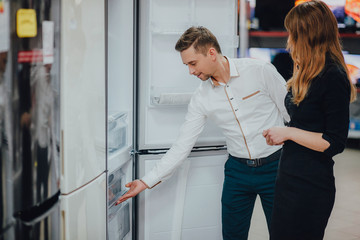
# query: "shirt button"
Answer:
x=231 y=98
x=236 y=110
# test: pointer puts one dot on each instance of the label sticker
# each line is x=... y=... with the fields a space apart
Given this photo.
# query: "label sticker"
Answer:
x=26 y=23
x=48 y=41
x=33 y=56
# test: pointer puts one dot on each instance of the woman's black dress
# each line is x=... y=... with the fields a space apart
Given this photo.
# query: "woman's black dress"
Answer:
x=305 y=187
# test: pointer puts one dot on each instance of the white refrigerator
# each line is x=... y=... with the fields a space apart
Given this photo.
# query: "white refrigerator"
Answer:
x=148 y=91
x=83 y=120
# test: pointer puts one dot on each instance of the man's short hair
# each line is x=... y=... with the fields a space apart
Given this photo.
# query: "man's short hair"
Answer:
x=199 y=37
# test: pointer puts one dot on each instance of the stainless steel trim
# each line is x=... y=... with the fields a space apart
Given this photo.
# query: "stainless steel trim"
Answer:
x=243 y=29
x=136 y=30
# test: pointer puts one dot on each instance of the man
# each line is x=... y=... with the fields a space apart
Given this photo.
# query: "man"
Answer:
x=243 y=97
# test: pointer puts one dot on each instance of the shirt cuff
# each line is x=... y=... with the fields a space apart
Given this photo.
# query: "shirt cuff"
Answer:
x=150 y=180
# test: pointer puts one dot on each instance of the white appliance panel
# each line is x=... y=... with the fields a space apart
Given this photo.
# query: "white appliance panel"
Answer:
x=188 y=204
x=225 y=27
x=82 y=92
x=83 y=212
x=165 y=85
x=120 y=70
x=226 y=10
x=170 y=13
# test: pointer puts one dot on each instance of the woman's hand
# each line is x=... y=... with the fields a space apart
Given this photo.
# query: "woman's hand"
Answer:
x=136 y=187
x=276 y=135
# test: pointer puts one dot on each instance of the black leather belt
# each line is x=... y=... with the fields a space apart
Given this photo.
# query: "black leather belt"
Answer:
x=257 y=162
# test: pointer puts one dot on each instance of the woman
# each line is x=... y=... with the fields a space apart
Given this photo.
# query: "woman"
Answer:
x=318 y=99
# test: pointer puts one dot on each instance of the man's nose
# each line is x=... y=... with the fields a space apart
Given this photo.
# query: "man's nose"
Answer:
x=191 y=70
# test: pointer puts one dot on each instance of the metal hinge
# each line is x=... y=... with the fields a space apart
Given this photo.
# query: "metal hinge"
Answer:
x=133 y=152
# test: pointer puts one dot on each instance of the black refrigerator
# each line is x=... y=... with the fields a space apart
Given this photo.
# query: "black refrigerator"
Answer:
x=29 y=119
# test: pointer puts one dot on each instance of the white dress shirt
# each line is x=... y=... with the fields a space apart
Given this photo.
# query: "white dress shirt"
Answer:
x=251 y=101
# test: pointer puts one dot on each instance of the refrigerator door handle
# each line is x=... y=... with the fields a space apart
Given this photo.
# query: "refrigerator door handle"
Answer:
x=63 y=224
x=214 y=148
x=39 y=212
x=195 y=149
x=41 y=217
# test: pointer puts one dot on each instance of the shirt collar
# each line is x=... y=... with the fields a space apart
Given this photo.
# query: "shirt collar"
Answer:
x=233 y=73
x=233 y=70
x=214 y=83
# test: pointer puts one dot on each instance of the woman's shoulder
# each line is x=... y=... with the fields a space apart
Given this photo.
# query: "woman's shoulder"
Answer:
x=333 y=72
x=335 y=79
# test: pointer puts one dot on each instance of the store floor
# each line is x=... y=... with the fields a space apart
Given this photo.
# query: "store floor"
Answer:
x=344 y=223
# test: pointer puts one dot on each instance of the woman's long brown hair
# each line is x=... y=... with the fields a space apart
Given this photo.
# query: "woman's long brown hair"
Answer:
x=313 y=32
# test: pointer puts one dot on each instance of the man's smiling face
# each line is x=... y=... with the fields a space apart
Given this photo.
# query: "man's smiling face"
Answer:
x=199 y=65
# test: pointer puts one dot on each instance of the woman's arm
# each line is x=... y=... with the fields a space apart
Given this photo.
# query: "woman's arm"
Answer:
x=311 y=140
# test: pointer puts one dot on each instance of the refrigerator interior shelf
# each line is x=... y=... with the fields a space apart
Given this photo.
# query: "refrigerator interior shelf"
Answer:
x=117 y=131
x=171 y=99
x=118 y=158
x=116 y=185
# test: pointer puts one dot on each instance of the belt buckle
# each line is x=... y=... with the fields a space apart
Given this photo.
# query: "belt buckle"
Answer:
x=252 y=162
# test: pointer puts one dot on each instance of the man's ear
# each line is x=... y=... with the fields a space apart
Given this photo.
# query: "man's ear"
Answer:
x=212 y=52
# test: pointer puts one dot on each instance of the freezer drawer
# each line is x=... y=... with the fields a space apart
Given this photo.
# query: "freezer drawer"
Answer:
x=120 y=216
x=83 y=212
x=117 y=180
x=119 y=222
x=187 y=206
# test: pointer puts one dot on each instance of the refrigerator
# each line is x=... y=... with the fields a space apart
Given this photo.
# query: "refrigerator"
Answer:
x=83 y=121
x=29 y=119
x=148 y=90
x=53 y=120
